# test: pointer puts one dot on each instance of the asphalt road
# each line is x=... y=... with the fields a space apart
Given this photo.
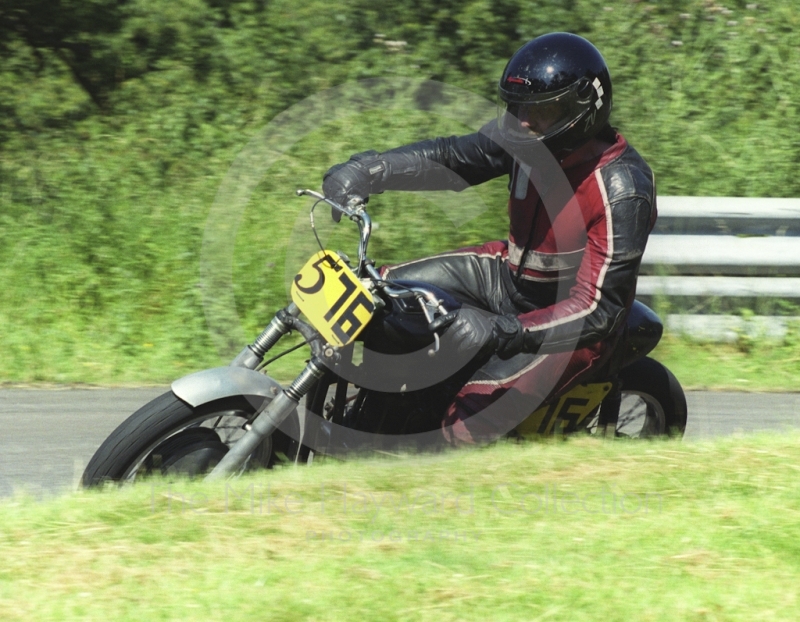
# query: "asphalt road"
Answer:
x=48 y=436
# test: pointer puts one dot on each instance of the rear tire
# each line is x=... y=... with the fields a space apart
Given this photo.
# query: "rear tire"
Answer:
x=169 y=436
x=653 y=402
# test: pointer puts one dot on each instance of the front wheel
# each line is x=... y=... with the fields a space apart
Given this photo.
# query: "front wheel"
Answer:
x=653 y=402
x=168 y=436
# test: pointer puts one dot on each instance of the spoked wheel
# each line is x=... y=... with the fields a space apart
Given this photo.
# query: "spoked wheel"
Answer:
x=193 y=452
x=168 y=436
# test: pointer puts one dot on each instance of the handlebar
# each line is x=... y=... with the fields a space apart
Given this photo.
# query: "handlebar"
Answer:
x=357 y=213
x=354 y=211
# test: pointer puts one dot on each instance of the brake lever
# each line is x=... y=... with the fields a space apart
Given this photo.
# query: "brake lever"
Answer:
x=351 y=210
x=356 y=204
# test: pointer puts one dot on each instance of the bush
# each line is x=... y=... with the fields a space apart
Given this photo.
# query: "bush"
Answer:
x=119 y=121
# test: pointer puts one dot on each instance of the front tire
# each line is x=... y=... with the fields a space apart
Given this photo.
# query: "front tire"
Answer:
x=168 y=436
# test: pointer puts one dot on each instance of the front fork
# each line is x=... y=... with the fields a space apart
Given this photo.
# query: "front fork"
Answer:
x=252 y=355
x=268 y=420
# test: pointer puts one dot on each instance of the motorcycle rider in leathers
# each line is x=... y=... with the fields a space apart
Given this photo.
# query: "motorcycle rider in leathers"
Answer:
x=545 y=308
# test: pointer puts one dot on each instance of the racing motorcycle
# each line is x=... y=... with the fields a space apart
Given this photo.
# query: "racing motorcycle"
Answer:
x=377 y=378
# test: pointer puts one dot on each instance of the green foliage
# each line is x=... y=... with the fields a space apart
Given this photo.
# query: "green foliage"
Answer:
x=120 y=120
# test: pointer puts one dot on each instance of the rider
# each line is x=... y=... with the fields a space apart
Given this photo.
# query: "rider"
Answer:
x=547 y=306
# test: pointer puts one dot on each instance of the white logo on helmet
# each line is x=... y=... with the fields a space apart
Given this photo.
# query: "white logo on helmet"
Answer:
x=598 y=88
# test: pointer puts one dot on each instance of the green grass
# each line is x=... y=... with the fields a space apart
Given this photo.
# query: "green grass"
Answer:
x=761 y=366
x=768 y=366
x=577 y=530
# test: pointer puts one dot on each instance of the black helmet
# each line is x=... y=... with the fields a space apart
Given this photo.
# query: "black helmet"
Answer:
x=556 y=89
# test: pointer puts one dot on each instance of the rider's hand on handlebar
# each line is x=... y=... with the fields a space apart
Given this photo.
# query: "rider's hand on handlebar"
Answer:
x=476 y=331
x=351 y=180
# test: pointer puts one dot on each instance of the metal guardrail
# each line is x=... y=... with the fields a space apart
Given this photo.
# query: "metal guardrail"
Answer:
x=728 y=248
x=742 y=246
x=721 y=286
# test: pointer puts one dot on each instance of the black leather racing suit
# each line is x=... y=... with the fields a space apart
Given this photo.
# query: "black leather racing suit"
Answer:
x=578 y=229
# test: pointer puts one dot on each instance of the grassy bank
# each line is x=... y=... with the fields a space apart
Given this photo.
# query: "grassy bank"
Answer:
x=577 y=530
x=763 y=366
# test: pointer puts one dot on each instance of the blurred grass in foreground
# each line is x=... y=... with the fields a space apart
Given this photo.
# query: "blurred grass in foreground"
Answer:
x=576 y=530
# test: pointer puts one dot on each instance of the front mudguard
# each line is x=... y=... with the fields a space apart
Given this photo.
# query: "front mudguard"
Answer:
x=217 y=383
x=220 y=382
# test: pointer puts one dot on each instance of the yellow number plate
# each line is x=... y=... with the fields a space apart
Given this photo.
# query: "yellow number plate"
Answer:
x=332 y=298
x=565 y=414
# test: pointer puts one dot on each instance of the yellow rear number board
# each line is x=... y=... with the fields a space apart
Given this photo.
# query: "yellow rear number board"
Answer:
x=332 y=298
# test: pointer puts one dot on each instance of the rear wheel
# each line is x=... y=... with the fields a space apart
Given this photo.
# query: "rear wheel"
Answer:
x=168 y=436
x=653 y=402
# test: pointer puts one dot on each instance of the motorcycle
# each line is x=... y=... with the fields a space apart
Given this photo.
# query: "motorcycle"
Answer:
x=367 y=385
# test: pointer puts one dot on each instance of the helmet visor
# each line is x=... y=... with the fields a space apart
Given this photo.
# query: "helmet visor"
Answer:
x=537 y=118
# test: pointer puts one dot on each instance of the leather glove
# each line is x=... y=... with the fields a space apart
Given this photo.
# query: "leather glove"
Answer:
x=476 y=332
x=352 y=179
